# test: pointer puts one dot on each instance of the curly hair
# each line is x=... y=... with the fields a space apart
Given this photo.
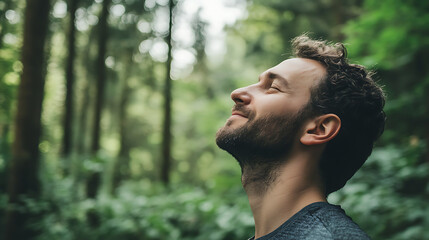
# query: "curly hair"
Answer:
x=348 y=91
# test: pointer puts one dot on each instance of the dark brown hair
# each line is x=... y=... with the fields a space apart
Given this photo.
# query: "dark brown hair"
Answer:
x=348 y=91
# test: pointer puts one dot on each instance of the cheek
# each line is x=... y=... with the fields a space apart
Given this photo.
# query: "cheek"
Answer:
x=277 y=106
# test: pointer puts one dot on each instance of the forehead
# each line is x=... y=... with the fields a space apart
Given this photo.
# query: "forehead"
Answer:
x=300 y=72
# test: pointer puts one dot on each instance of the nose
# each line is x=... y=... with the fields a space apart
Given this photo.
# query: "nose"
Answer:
x=241 y=96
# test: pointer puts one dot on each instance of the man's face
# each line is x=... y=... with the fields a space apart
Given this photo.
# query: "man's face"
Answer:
x=268 y=114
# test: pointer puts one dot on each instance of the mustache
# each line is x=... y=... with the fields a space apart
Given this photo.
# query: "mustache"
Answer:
x=240 y=108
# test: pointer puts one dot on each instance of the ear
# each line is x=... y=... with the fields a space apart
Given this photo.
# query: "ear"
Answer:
x=321 y=129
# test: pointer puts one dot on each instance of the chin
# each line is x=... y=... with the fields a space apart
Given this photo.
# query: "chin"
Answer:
x=235 y=123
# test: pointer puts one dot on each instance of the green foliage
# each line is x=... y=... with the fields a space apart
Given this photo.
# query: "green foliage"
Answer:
x=391 y=37
x=389 y=33
x=388 y=196
x=10 y=69
x=145 y=211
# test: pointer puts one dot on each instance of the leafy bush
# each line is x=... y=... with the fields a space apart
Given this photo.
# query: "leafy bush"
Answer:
x=146 y=211
x=388 y=196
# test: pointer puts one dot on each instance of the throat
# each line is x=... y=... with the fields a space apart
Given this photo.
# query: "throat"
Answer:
x=257 y=178
x=278 y=191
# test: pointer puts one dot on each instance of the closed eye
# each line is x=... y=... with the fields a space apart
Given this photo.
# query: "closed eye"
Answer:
x=275 y=88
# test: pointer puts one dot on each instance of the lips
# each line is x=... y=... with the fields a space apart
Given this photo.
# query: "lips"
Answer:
x=240 y=110
x=237 y=113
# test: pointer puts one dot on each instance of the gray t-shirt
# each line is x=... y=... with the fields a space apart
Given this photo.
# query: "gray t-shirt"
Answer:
x=318 y=221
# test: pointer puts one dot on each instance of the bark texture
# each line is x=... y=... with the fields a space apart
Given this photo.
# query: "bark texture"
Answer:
x=94 y=179
x=122 y=168
x=70 y=79
x=166 y=133
x=23 y=173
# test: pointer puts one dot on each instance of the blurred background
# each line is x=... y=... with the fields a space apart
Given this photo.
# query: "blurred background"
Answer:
x=108 y=112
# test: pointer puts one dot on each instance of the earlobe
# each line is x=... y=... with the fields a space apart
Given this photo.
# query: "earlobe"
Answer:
x=322 y=129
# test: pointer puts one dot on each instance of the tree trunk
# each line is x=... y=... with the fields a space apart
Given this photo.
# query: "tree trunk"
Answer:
x=23 y=174
x=201 y=70
x=93 y=182
x=122 y=168
x=68 y=110
x=166 y=134
x=101 y=76
x=85 y=102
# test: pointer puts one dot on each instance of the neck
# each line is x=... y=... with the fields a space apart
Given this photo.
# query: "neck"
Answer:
x=278 y=192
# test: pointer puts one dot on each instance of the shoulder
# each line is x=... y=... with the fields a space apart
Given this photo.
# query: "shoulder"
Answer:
x=331 y=222
x=319 y=221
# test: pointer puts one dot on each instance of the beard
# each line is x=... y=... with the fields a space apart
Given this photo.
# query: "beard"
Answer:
x=261 y=142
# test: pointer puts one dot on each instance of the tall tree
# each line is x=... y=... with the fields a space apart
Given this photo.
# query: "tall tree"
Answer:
x=166 y=133
x=23 y=174
x=101 y=75
x=122 y=169
x=88 y=64
x=128 y=37
x=68 y=110
x=199 y=27
x=93 y=181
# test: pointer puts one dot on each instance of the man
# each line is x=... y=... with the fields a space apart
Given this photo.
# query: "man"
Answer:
x=299 y=134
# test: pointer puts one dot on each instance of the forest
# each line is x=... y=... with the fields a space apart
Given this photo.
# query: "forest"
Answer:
x=109 y=110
